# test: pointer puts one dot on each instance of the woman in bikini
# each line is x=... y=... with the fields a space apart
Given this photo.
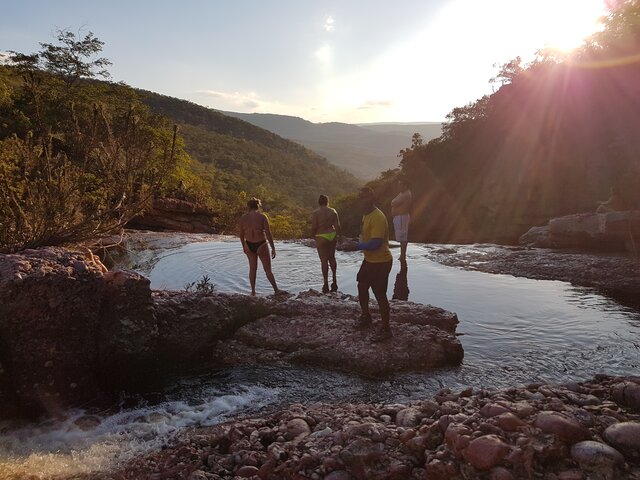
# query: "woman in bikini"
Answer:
x=254 y=234
x=325 y=227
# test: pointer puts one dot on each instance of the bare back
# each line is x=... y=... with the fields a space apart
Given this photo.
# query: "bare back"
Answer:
x=253 y=225
x=325 y=220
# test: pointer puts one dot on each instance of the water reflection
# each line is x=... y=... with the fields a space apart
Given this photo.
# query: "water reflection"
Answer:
x=401 y=286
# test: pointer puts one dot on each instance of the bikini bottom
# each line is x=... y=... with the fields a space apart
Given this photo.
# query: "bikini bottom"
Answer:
x=254 y=246
x=327 y=236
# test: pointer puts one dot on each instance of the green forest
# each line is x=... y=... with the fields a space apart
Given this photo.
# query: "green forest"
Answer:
x=80 y=156
x=554 y=137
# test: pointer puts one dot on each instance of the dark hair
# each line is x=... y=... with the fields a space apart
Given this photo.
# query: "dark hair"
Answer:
x=366 y=191
x=254 y=203
x=323 y=200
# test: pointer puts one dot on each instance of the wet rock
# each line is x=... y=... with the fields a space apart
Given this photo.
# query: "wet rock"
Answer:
x=587 y=231
x=247 y=471
x=492 y=410
x=627 y=393
x=338 y=475
x=408 y=417
x=597 y=457
x=500 y=473
x=509 y=422
x=624 y=436
x=298 y=428
x=486 y=452
x=566 y=428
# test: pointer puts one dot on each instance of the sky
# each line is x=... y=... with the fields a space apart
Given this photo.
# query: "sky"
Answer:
x=354 y=61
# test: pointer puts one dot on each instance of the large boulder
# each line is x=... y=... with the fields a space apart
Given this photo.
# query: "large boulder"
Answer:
x=613 y=231
x=176 y=215
x=49 y=315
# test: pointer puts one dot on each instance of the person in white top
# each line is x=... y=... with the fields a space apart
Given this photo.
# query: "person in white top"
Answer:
x=400 y=209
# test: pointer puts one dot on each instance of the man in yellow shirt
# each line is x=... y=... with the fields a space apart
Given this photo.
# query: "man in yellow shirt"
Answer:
x=376 y=266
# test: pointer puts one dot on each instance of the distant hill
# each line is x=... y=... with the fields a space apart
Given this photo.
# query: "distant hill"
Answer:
x=250 y=158
x=365 y=150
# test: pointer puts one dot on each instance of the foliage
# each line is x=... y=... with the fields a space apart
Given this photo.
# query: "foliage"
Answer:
x=202 y=286
x=551 y=140
x=77 y=159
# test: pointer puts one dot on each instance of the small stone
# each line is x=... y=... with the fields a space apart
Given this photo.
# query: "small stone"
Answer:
x=509 y=422
x=247 y=471
x=625 y=435
x=500 y=473
x=486 y=452
x=570 y=475
x=338 y=475
x=492 y=410
x=408 y=417
x=197 y=475
x=565 y=428
x=298 y=428
x=596 y=456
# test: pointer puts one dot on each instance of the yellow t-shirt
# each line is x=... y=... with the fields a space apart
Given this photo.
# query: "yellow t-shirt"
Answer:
x=374 y=225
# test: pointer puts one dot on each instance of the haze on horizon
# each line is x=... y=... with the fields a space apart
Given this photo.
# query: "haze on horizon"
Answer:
x=354 y=62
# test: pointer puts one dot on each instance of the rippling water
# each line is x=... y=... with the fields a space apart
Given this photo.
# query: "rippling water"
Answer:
x=514 y=331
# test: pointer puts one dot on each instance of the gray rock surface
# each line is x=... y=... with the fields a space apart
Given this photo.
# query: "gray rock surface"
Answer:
x=613 y=231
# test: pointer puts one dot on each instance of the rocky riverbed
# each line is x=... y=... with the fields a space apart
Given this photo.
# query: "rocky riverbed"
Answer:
x=588 y=430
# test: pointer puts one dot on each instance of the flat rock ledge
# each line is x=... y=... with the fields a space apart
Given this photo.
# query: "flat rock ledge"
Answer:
x=614 y=275
x=70 y=330
x=612 y=231
x=577 y=431
x=318 y=330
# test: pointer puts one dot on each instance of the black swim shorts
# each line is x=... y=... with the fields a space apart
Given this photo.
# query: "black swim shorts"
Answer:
x=375 y=275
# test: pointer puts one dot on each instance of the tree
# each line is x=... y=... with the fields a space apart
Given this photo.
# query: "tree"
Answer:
x=77 y=162
x=71 y=59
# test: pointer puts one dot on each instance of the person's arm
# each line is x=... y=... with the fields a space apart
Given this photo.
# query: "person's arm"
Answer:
x=338 y=228
x=245 y=249
x=372 y=244
x=314 y=224
x=267 y=231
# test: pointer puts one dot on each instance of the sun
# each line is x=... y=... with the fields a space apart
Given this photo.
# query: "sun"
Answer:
x=565 y=24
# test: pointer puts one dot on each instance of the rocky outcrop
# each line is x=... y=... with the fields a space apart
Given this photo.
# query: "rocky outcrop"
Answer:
x=614 y=275
x=573 y=431
x=69 y=329
x=613 y=231
x=176 y=215
x=49 y=315
x=319 y=330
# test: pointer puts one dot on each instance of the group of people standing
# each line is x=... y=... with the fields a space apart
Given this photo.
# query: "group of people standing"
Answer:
x=256 y=238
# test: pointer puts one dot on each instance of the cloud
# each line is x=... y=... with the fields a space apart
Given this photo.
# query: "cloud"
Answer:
x=248 y=100
x=375 y=104
x=329 y=24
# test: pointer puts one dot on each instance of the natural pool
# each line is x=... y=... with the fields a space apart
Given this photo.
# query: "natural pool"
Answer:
x=514 y=331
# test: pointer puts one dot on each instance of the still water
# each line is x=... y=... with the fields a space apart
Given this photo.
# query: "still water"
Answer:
x=514 y=331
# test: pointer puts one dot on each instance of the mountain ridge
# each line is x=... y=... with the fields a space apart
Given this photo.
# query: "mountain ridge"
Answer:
x=365 y=150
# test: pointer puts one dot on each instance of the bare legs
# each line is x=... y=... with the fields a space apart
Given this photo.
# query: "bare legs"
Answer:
x=327 y=253
x=403 y=251
x=265 y=258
